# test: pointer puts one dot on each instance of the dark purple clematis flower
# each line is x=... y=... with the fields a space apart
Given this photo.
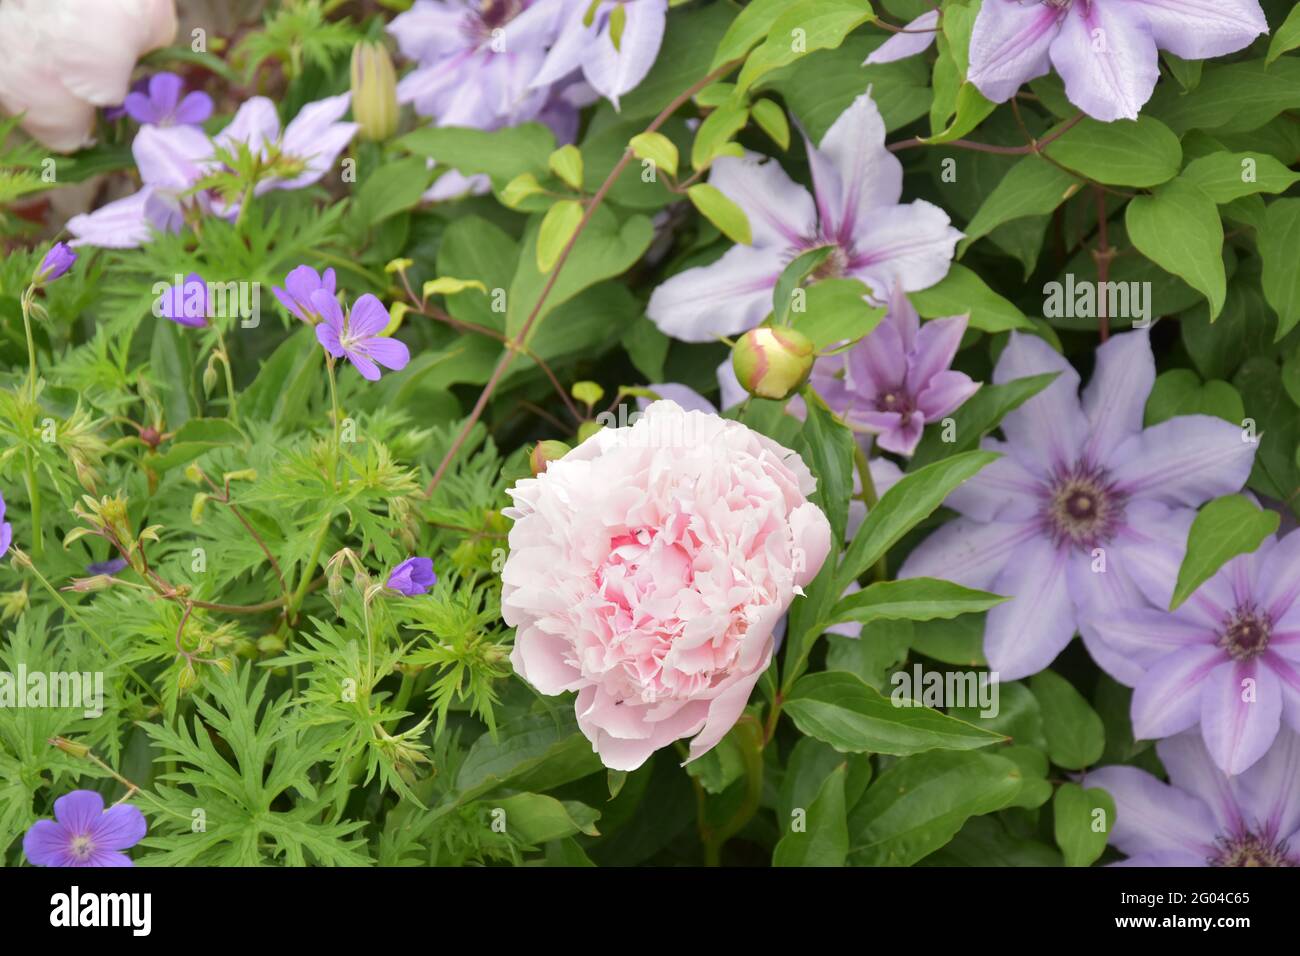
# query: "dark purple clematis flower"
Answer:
x=163 y=104
x=1086 y=510
x=298 y=288
x=897 y=379
x=857 y=183
x=56 y=262
x=1104 y=50
x=1228 y=658
x=412 y=577
x=109 y=567
x=185 y=303
x=357 y=337
x=83 y=833
x=6 y=529
x=1201 y=817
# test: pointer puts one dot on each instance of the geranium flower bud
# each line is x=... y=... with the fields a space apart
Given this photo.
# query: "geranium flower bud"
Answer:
x=374 y=91
x=545 y=452
x=772 y=363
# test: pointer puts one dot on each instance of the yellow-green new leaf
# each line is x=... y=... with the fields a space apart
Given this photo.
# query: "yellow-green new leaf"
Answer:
x=657 y=148
x=722 y=212
x=771 y=120
x=558 y=227
x=566 y=163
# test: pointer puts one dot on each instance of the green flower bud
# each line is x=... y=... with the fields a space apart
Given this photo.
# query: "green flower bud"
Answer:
x=374 y=91
x=772 y=362
x=545 y=452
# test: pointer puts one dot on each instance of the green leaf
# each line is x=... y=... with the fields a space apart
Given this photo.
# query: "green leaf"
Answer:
x=971 y=110
x=535 y=818
x=557 y=229
x=825 y=839
x=1231 y=97
x=804 y=26
x=1032 y=187
x=1180 y=391
x=904 y=506
x=842 y=710
x=1075 y=734
x=1075 y=821
x=1228 y=176
x=751 y=26
x=962 y=292
x=566 y=163
x=1286 y=37
x=827 y=446
x=919 y=804
x=792 y=277
x=978 y=415
x=717 y=129
x=1142 y=152
x=722 y=212
x=501 y=154
x=392 y=188
x=1178 y=228
x=771 y=120
x=286 y=382
x=836 y=310
x=1278 y=241
x=911 y=599
x=657 y=148
x=1223 y=529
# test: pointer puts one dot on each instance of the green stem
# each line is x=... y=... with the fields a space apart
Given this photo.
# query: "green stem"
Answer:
x=230 y=376
x=752 y=752
x=869 y=498
x=72 y=613
x=338 y=421
x=295 y=602
x=31 y=342
x=34 y=504
x=244 y=202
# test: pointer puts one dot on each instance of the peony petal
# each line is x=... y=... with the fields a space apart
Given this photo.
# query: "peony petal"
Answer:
x=1107 y=58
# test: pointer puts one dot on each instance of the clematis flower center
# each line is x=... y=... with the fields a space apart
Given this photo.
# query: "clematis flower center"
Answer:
x=491 y=15
x=1246 y=633
x=1251 y=849
x=1083 y=509
x=81 y=847
x=834 y=265
x=895 y=400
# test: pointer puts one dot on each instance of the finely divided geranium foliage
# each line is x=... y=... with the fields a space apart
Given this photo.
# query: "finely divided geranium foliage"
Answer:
x=633 y=432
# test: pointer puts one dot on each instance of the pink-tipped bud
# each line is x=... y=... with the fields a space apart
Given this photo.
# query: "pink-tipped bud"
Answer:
x=545 y=452
x=772 y=363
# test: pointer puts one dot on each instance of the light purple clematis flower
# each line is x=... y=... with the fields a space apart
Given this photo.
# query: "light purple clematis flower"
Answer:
x=163 y=104
x=1104 y=50
x=914 y=38
x=185 y=303
x=1228 y=658
x=855 y=209
x=1086 y=510
x=172 y=159
x=613 y=42
x=56 y=262
x=6 y=529
x=1201 y=817
x=896 y=379
x=83 y=833
x=412 y=577
x=299 y=285
x=357 y=337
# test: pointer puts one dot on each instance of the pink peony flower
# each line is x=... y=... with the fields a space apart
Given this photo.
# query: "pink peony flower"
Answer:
x=61 y=60
x=647 y=570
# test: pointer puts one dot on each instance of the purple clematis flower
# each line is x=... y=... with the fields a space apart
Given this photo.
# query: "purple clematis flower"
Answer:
x=1086 y=510
x=298 y=288
x=6 y=529
x=172 y=159
x=1201 y=817
x=1104 y=50
x=57 y=261
x=613 y=42
x=357 y=337
x=163 y=104
x=110 y=567
x=185 y=303
x=412 y=577
x=1228 y=658
x=896 y=379
x=855 y=209
x=83 y=833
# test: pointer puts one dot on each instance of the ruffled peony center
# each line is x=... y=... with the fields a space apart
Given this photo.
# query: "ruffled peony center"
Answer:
x=1246 y=633
x=1083 y=509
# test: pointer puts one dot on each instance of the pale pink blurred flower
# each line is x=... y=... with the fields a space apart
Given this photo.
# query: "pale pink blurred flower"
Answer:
x=60 y=60
x=647 y=570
